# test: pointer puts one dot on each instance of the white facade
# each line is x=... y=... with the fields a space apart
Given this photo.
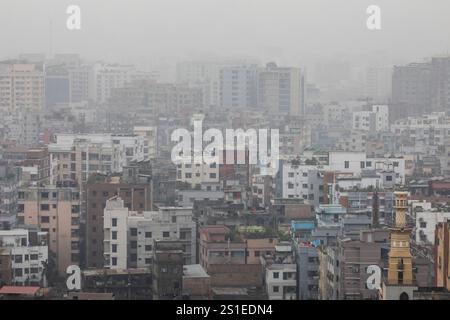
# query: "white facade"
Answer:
x=356 y=162
x=115 y=228
x=27 y=261
x=108 y=77
x=375 y=120
x=426 y=223
x=150 y=140
x=128 y=233
x=197 y=174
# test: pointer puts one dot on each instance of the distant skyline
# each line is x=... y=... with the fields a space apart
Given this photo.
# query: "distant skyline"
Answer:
x=162 y=32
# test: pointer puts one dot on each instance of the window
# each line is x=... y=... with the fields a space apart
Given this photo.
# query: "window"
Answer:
x=45 y=207
x=45 y=219
x=133 y=244
x=148 y=235
x=166 y=234
x=174 y=219
x=257 y=253
x=114 y=248
x=133 y=232
x=114 y=235
x=388 y=178
x=346 y=164
x=212 y=175
x=18 y=258
x=114 y=222
x=33 y=256
x=276 y=275
x=276 y=289
x=148 y=247
x=114 y=261
x=362 y=164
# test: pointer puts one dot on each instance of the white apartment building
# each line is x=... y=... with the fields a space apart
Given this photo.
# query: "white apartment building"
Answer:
x=426 y=222
x=280 y=275
x=27 y=260
x=296 y=179
x=375 y=120
x=197 y=174
x=357 y=162
x=129 y=235
x=429 y=129
x=150 y=140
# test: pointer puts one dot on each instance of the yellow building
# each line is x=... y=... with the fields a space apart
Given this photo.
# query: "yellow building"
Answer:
x=399 y=284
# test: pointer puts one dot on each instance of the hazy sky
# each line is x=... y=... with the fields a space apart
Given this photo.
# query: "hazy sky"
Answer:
x=166 y=30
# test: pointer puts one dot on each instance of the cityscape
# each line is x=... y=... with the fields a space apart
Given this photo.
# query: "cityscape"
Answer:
x=264 y=174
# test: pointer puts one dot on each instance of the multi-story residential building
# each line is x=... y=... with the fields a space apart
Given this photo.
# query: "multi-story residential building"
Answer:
x=307 y=260
x=440 y=83
x=136 y=197
x=129 y=235
x=150 y=99
x=196 y=174
x=411 y=90
x=22 y=87
x=25 y=253
x=376 y=119
x=343 y=267
x=379 y=83
x=150 y=140
x=282 y=90
x=55 y=210
x=280 y=273
x=301 y=181
x=10 y=177
x=238 y=87
x=107 y=77
x=167 y=269
x=426 y=223
x=75 y=157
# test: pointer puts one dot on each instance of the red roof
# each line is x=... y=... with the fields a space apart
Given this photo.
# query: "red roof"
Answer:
x=19 y=290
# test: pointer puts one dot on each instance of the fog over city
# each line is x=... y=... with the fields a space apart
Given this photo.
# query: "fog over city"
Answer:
x=161 y=32
x=257 y=150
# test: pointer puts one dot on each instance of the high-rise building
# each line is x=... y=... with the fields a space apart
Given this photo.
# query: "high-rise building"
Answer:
x=411 y=90
x=55 y=211
x=22 y=87
x=137 y=197
x=281 y=90
x=238 y=87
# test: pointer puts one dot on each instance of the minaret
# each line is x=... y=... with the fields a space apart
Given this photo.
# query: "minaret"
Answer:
x=399 y=283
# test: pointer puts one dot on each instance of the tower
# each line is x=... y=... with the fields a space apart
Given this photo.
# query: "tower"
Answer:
x=399 y=284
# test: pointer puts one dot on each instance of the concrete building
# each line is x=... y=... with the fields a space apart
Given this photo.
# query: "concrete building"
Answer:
x=136 y=196
x=280 y=273
x=411 y=90
x=282 y=90
x=238 y=87
x=28 y=256
x=22 y=87
x=376 y=119
x=129 y=235
x=167 y=269
x=426 y=223
x=307 y=260
x=55 y=210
